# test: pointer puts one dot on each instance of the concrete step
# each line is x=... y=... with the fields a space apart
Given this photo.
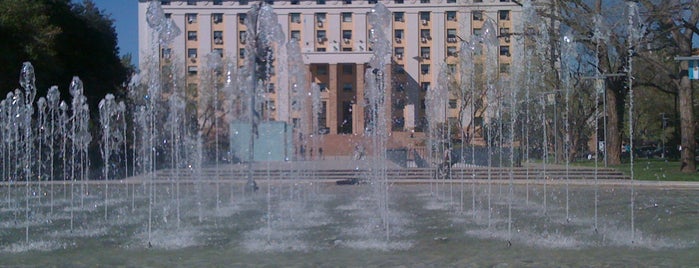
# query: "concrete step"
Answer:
x=405 y=173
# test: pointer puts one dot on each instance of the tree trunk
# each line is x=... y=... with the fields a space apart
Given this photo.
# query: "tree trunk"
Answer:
x=612 y=141
x=687 y=123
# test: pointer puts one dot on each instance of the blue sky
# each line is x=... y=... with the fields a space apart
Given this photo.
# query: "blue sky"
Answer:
x=125 y=15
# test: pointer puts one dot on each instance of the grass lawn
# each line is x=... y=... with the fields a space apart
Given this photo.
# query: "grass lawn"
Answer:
x=650 y=169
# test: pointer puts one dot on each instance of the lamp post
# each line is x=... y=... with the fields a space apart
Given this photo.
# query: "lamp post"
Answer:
x=663 y=121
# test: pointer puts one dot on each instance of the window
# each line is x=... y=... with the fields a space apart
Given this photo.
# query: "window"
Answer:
x=398 y=34
x=243 y=2
x=218 y=51
x=323 y=87
x=218 y=2
x=373 y=1
x=165 y=2
x=399 y=69
x=451 y=36
x=425 y=86
x=269 y=2
x=399 y=16
x=347 y=49
x=477 y=15
x=241 y=53
x=191 y=18
x=322 y=37
x=398 y=1
x=165 y=53
x=296 y=35
x=217 y=18
x=400 y=87
x=425 y=69
x=192 y=53
x=451 y=1
x=398 y=104
x=191 y=2
x=347 y=2
x=323 y=116
x=346 y=17
x=270 y=87
x=269 y=104
x=347 y=69
x=242 y=17
x=168 y=15
x=320 y=19
x=451 y=52
x=192 y=70
x=451 y=15
x=295 y=2
x=477 y=31
x=424 y=1
x=425 y=35
x=505 y=51
x=322 y=69
x=504 y=14
x=320 y=49
x=478 y=1
x=192 y=90
x=399 y=51
x=452 y=104
x=477 y=51
x=425 y=53
x=295 y=17
x=504 y=68
x=192 y=35
x=346 y=35
x=451 y=67
x=425 y=17
x=218 y=37
x=347 y=87
x=242 y=36
x=320 y=2
x=504 y=31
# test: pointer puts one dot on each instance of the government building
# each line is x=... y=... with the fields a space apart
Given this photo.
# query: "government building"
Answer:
x=334 y=36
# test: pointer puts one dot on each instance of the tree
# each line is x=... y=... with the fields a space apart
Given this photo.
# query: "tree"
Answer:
x=62 y=40
x=26 y=34
x=674 y=23
x=606 y=34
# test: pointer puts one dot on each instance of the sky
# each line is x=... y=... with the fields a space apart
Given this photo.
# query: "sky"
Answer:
x=125 y=16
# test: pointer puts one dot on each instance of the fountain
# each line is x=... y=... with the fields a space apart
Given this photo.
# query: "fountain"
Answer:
x=158 y=201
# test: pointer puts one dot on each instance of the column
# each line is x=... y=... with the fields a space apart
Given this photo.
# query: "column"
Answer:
x=333 y=105
x=358 y=123
x=388 y=97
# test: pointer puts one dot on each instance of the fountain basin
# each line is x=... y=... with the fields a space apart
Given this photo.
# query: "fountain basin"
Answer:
x=318 y=223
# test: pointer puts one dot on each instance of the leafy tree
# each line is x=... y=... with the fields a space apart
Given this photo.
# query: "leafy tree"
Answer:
x=26 y=34
x=61 y=39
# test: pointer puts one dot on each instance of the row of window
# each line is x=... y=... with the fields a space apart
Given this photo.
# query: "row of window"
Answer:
x=318 y=2
x=347 y=35
x=347 y=17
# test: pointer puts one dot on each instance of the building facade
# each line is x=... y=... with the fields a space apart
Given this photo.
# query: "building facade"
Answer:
x=334 y=37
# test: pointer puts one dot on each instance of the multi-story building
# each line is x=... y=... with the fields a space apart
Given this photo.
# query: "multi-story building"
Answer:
x=334 y=36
